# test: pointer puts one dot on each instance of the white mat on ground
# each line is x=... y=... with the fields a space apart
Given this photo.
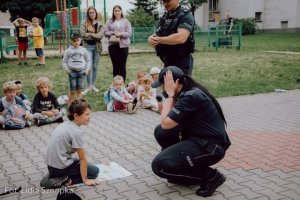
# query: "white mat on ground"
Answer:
x=109 y=172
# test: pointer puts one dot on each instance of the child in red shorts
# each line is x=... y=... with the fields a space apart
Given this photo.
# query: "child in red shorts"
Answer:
x=21 y=29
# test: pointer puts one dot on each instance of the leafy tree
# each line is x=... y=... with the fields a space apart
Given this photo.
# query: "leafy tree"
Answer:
x=193 y=4
x=30 y=8
x=149 y=6
x=139 y=18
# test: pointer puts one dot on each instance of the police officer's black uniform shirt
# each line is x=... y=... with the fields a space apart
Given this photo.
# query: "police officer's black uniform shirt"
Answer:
x=199 y=118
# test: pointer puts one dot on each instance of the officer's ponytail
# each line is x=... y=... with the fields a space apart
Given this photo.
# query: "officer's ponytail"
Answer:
x=188 y=82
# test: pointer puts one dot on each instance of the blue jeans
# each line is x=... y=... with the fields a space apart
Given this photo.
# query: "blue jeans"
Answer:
x=95 y=57
x=184 y=160
x=76 y=79
x=73 y=172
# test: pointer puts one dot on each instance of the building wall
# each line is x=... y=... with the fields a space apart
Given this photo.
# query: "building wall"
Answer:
x=273 y=13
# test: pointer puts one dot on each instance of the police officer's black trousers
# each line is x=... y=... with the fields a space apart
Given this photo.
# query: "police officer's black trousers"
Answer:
x=186 y=160
x=118 y=58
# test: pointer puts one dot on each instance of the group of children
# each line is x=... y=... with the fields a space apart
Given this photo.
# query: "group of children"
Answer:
x=25 y=29
x=138 y=93
x=16 y=110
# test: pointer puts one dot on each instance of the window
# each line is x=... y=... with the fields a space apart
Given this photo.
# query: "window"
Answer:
x=284 y=24
x=258 y=16
x=213 y=7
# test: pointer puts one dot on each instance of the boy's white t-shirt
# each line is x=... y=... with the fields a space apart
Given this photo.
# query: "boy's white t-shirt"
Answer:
x=65 y=139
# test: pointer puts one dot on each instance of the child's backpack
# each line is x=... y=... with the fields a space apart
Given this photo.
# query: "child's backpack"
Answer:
x=106 y=96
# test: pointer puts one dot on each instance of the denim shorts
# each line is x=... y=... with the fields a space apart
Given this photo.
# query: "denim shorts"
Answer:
x=39 y=52
x=76 y=79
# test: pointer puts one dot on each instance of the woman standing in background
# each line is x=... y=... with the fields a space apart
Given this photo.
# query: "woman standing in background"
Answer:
x=119 y=28
x=90 y=31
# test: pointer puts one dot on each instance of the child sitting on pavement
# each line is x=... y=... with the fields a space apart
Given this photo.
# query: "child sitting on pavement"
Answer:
x=45 y=107
x=120 y=99
x=154 y=72
x=147 y=94
x=13 y=112
x=24 y=97
x=66 y=140
x=77 y=63
x=133 y=86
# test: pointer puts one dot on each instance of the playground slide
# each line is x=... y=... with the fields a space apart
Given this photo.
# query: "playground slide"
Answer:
x=52 y=23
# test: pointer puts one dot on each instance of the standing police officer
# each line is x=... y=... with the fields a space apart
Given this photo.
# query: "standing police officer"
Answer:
x=173 y=39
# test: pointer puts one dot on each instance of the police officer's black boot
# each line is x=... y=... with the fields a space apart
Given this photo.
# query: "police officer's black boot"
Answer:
x=211 y=185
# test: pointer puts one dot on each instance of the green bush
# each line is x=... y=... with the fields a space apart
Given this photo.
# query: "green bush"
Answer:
x=249 y=26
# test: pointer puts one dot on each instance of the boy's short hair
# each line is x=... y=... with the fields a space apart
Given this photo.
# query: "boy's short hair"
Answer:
x=43 y=81
x=9 y=86
x=77 y=106
x=35 y=19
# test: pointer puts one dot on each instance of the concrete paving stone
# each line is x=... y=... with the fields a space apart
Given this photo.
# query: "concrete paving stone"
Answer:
x=5 y=158
x=174 y=196
x=25 y=164
x=141 y=188
x=271 y=194
x=152 y=180
x=293 y=186
x=232 y=184
x=30 y=170
x=237 y=178
x=260 y=173
x=240 y=197
x=140 y=173
x=111 y=194
x=259 y=180
x=278 y=180
x=291 y=194
x=17 y=177
x=294 y=179
x=228 y=192
x=122 y=187
x=154 y=195
x=255 y=186
x=90 y=193
x=10 y=197
x=35 y=177
x=19 y=159
x=102 y=187
x=12 y=170
x=162 y=188
x=7 y=164
x=248 y=193
x=185 y=190
x=4 y=185
x=132 y=195
x=36 y=197
x=132 y=180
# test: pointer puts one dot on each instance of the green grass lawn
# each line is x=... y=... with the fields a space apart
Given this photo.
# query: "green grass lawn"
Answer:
x=226 y=72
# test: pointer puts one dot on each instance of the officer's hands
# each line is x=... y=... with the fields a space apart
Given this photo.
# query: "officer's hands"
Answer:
x=169 y=84
x=152 y=41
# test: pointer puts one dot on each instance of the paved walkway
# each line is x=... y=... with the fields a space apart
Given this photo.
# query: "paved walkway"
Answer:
x=262 y=163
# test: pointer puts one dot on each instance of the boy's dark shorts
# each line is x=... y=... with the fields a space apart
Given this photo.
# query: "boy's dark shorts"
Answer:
x=39 y=52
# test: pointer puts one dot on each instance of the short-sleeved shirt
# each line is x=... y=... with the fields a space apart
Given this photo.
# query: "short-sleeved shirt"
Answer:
x=38 y=41
x=65 y=139
x=22 y=34
x=199 y=118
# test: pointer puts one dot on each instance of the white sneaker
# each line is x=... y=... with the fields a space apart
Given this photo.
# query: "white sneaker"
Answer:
x=86 y=91
x=94 y=89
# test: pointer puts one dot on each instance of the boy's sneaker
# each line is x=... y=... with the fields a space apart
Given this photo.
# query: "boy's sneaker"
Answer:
x=38 y=64
x=130 y=108
x=25 y=63
x=94 y=89
x=19 y=63
x=86 y=91
x=137 y=107
x=210 y=187
x=52 y=183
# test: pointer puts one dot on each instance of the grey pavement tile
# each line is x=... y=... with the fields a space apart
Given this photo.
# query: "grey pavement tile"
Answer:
x=154 y=195
x=90 y=193
x=293 y=186
x=227 y=192
x=10 y=197
x=271 y=194
x=248 y=193
x=17 y=177
x=175 y=196
x=141 y=188
x=132 y=195
x=291 y=194
x=111 y=194
x=162 y=188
